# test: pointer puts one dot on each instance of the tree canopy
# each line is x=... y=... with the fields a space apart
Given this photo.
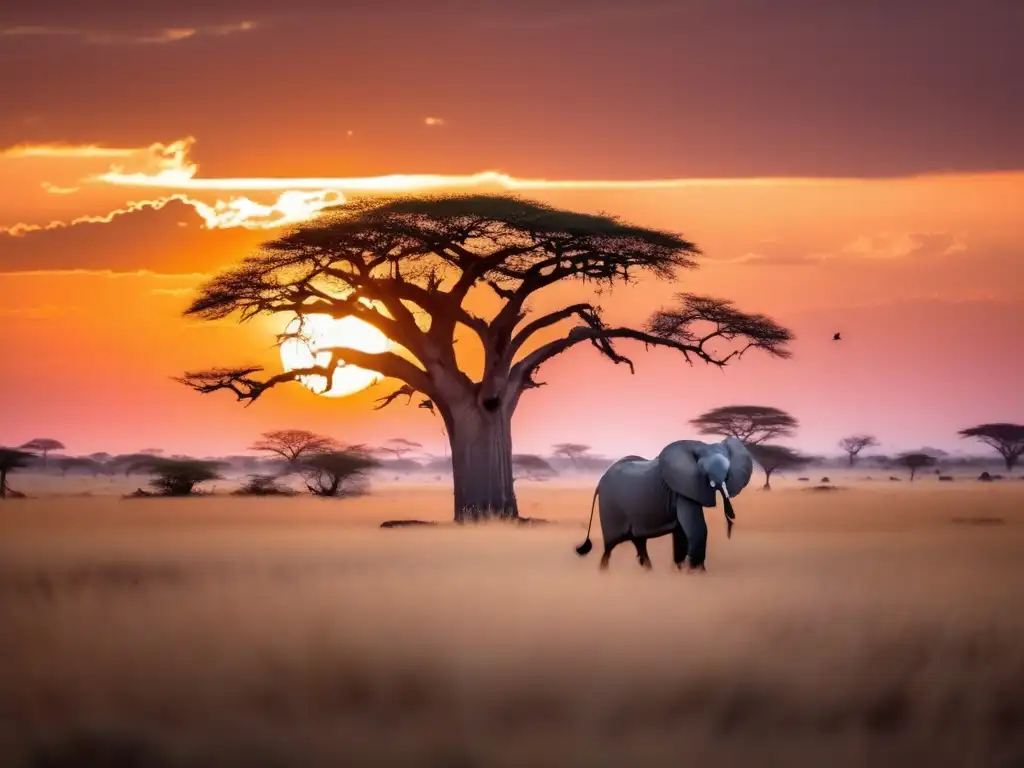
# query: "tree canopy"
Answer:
x=1008 y=439
x=753 y=424
x=337 y=472
x=854 y=444
x=916 y=460
x=293 y=444
x=179 y=477
x=572 y=451
x=43 y=445
x=776 y=457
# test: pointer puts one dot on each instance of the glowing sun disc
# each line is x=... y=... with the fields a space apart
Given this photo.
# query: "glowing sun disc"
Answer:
x=318 y=332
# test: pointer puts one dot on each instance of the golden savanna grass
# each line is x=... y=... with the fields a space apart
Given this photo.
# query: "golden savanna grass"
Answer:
x=854 y=628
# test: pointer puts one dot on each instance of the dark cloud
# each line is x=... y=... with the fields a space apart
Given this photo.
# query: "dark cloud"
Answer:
x=169 y=240
x=571 y=90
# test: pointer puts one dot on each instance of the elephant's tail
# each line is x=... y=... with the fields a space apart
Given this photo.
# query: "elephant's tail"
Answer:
x=587 y=545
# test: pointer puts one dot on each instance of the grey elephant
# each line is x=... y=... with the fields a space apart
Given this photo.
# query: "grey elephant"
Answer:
x=642 y=499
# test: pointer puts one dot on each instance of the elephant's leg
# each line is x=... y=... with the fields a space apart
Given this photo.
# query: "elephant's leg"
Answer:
x=680 y=546
x=641 y=553
x=608 y=547
x=691 y=517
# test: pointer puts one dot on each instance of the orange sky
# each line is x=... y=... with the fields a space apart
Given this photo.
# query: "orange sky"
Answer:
x=103 y=240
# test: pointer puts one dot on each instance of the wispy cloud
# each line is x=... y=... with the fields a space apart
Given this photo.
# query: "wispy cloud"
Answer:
x=65 y=151
x=43 y=312
x=882 y=247
x=170 y=169
x=160 y=36
x=53 y=189
x=289 y=208
x=174 y=292
x=168 y=166
x=106 y=273
x=433 y=121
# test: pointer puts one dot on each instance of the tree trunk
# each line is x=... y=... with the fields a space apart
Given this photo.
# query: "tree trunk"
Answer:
x=481 y=444
x=3 y=483
x=767 y=481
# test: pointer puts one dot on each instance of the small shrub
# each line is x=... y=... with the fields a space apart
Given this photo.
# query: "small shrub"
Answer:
x=263 y=485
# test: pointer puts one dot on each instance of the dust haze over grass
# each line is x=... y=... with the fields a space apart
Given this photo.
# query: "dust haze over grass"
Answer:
x=840 y=629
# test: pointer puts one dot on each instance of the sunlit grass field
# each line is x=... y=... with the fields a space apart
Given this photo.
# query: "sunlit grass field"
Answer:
x=867 y=626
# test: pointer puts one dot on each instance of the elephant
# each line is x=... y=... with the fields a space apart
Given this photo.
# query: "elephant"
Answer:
x=643 y=499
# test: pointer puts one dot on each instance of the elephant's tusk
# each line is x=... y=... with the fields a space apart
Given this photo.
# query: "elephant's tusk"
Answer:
x=725 y=491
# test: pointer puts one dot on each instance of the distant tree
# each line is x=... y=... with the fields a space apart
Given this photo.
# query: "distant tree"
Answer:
x=153 y=451
x=880 y=460
x=338 y=472
x=10 y=460
x=294 y=444
x=532 y=467
x=43 y=445
x=179 y=477
x=409 y=265
x=915 y=461
x=263 y=485
x=134 y=463
x=572 y=451
x=69 y=463
x=399 y=446
x=1008 y=439
x=776 y=458
x=854 y=444
x=753 y=424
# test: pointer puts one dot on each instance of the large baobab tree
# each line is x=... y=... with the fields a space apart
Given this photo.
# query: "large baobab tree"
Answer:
x=753 y=424
x=412 y=266
x=854 y=444
x=1008 y=439
x=776 y=458
x=293 y=445
x=43 y=445
x=572 y=451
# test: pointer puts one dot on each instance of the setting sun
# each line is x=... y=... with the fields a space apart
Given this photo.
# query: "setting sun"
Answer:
x=315 y=333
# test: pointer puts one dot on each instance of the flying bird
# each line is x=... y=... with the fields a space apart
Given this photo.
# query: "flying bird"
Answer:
x=836 y=338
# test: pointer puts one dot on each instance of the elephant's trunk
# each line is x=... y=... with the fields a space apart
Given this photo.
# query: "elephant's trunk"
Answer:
x=730 y=515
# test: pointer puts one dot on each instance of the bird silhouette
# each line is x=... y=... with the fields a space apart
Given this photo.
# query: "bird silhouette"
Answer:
x=836 y=337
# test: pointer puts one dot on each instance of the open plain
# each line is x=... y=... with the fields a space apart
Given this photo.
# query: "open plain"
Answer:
x=874 y=625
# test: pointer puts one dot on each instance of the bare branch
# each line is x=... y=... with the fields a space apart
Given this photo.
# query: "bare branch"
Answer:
x=404 y=390
x=241 y=381
x=672 y=329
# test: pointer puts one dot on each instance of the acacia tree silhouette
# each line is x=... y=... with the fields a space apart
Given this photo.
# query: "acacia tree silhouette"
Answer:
x=407 y=267
x=776 y=457
x=572 y=451
x=1008 y=439
x=854 y=444
x=753 y=424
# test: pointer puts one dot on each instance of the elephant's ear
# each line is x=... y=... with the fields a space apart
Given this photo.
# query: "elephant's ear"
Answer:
x=741 y=466
x=678 y=464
